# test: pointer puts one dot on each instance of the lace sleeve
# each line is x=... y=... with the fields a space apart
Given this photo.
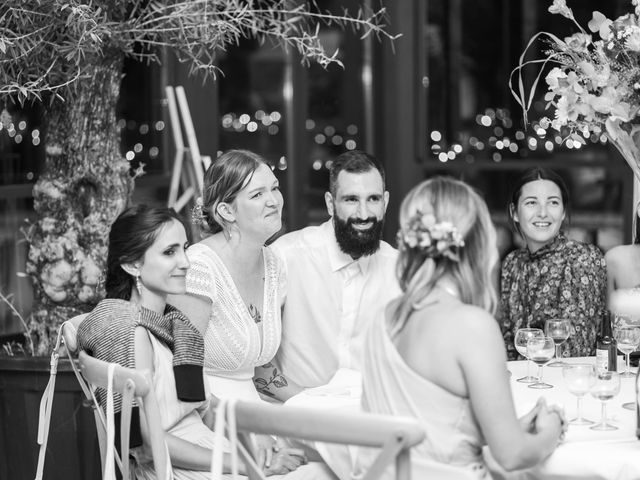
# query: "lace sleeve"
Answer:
x=200 y=276
x=281 y=269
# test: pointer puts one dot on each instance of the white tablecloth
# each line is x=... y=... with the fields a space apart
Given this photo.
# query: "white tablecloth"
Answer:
x=342 y=393
x=585 y=453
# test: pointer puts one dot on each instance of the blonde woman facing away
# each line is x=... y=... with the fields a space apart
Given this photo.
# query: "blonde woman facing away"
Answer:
x=438 y=354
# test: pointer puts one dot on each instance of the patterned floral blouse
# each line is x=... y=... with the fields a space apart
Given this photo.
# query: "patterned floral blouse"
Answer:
x=563 y=279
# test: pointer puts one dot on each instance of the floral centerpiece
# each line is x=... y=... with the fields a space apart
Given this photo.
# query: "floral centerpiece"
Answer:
x=594 y=85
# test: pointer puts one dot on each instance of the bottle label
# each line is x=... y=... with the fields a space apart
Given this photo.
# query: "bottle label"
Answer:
x=602 y=360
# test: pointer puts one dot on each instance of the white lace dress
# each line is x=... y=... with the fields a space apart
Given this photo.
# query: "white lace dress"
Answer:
x=234 y=344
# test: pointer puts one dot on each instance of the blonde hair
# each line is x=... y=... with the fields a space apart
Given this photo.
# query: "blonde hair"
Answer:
x=449 y=200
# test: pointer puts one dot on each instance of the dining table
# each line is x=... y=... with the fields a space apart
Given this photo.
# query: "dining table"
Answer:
x=584 y=454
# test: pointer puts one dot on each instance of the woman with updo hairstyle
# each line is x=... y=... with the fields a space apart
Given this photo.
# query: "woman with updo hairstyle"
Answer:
x=235 y=286
x=552 y=276
x=436 y=354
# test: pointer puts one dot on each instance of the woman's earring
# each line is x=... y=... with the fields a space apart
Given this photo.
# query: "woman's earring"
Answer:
x=138 y=284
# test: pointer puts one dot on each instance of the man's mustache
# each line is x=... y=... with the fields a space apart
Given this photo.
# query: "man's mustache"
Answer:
x=358 y=221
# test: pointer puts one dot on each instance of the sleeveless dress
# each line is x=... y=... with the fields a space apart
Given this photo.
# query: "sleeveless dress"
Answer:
x=391 y=387
x=178 y=418
x=234 y=344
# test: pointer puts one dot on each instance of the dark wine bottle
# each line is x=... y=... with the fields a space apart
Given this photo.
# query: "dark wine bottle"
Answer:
x=606 y=351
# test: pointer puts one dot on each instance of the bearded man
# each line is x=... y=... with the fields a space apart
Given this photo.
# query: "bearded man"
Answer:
x=339 y=276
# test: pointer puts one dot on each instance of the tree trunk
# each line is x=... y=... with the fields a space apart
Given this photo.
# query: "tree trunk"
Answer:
x=84 y=186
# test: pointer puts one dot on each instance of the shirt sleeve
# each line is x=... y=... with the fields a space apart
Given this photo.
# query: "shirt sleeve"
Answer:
x=200 y=278
x=584 y=298
x=504 y=314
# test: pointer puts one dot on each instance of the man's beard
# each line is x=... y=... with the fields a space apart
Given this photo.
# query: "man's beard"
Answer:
x=357 y=243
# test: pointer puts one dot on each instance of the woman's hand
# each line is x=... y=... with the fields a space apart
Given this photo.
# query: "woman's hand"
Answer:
x=266 y=446
x=528 y=421
x=285 y=460
x=551 y=421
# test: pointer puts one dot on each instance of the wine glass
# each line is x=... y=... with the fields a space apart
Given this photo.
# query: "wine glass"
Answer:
x=540 y=350
x=628 y=339
x=559 y=329
x=520 y=342
x=605 y=387
x=579 y=378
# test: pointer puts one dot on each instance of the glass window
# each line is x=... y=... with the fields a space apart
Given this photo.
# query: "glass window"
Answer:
x=475 y=127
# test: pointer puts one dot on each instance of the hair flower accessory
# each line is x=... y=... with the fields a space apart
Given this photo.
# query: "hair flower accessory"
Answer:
x=435 y=239
x=197 y=213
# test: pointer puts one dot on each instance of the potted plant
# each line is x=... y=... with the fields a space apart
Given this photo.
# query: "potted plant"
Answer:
x=67 y=56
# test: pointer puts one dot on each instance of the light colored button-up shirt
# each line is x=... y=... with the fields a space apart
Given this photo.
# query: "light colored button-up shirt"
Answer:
x=330 y=302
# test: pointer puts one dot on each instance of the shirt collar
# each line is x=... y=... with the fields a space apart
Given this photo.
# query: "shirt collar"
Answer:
x=556 y=244
x=337 y=258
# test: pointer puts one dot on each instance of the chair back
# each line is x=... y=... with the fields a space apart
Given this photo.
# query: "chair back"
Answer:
x=394 y=436
x=129 y=383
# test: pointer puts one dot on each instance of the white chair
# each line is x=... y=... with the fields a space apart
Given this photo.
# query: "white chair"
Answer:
x=130 y=383
x=393 y=435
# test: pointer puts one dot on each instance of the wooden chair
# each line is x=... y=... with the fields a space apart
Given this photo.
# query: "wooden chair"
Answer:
x=130 y=384
x=394 y=436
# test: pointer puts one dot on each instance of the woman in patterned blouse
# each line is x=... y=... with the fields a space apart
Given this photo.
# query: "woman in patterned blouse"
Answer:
x=553 y=276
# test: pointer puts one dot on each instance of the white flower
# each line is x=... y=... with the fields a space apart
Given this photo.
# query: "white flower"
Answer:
x=554 y=76
x=560 y=7
x=633 y=38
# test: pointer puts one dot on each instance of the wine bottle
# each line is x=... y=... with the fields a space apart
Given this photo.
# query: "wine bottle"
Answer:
x=606 y=351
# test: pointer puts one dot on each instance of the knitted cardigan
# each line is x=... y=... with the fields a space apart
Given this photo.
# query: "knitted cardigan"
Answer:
x=108 y=333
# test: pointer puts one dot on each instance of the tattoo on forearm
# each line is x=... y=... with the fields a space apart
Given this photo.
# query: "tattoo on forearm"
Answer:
x=276 y=380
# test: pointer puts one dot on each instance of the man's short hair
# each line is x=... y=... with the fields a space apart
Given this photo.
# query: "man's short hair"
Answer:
x=354 y=161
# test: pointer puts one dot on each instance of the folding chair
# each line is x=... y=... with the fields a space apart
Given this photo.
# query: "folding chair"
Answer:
x=130 y=384
x=395 y=436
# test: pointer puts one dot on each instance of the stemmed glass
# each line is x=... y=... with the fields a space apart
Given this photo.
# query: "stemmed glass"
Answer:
x=628 y=339
x=579 y=378
x=520 y=342
x=540 y=350
x=605 y=387
x=559 y=329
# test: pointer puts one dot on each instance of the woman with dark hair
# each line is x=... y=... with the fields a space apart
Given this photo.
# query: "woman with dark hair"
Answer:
x=552 y=276
x=421 y=357
x=136 y=327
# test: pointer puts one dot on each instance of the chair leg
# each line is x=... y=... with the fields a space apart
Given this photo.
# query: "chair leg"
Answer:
x=403 y=465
